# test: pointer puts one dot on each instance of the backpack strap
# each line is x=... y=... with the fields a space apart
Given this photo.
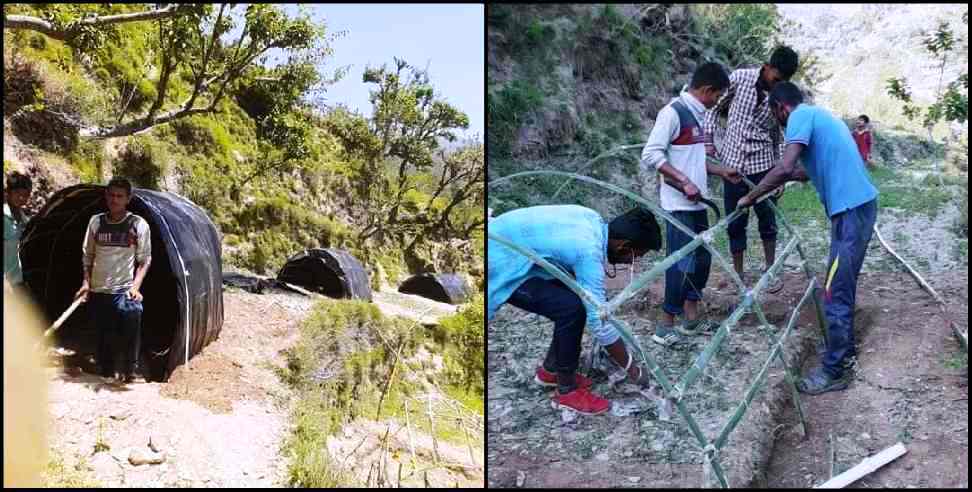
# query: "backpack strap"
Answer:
x=690 y=131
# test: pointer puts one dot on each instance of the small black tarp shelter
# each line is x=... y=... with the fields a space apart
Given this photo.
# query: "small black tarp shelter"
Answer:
x=183 y=306
x=332 y=272
x=442 y=287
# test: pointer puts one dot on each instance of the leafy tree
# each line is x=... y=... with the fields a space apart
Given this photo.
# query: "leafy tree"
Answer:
x=735 y=34
x=952 y=104
x=395 y=145
x=187 y=44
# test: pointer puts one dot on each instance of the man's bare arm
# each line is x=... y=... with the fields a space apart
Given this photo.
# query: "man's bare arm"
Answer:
x=679 y=181
x=140 y=272
x=785 y=171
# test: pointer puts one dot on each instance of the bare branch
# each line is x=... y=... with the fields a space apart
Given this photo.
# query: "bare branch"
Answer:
x=33 y=24
x=36 y=24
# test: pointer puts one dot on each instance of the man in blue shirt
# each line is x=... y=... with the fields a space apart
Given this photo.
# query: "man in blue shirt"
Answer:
x=577 y=240
x=836 y=169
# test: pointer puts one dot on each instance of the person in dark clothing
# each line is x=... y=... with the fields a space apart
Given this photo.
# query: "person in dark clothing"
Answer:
x=752 y=144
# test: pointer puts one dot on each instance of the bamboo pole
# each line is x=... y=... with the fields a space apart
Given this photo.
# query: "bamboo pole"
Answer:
x=592 y=161
x=703 y=240
x=644 y=278
x=758 y=382
x=807 y=269
x=963 y=337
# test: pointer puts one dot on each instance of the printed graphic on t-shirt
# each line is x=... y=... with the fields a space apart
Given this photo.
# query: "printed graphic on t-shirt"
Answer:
x=117 y=235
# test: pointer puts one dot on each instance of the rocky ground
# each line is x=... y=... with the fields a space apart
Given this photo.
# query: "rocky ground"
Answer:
x=218 y=422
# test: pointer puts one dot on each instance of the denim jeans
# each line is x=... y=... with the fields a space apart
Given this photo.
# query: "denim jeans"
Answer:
x=685 y=279
x=850 y=233
x=764 y=214
x=119 y=322
x=554 y=301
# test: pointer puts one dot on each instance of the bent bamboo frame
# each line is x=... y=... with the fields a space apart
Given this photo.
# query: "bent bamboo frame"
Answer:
x=675 y=392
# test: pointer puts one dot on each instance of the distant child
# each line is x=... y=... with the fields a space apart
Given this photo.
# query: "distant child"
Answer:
x=676 y=149
x=862 y=135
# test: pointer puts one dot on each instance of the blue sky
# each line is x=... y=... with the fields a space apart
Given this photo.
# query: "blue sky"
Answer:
x=449 y=38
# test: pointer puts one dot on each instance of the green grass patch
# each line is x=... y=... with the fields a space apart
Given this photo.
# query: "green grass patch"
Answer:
x=958 y=360
x=338 y=369
x=58 y=475
x=462 y=337
x=508 y=109
x=342 y=364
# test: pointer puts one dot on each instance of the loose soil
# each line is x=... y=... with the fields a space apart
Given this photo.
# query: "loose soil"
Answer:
x=218 y=416
x=907 y=388
x=531 y=445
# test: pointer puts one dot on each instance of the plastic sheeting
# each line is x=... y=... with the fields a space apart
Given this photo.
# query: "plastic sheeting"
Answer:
x=183 y=306
x=443 y=287
x=332 y=272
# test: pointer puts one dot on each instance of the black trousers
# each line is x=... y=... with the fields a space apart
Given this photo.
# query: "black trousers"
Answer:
x=554 y=301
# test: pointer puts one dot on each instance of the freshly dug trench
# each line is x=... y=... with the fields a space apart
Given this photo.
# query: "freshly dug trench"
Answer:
x=183 y=306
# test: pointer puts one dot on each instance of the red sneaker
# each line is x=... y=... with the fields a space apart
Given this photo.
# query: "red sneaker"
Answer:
x=547 y=378
x=581 y=400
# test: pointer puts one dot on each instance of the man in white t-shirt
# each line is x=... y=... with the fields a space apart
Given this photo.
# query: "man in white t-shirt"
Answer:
x=676 y=150
x=117 y=253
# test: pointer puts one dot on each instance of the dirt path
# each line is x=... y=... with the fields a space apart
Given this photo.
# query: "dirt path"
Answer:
x=426 y=311
x=907 y=389
x=220 y=422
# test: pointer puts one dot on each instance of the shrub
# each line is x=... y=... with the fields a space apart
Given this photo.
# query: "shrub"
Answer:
x=462 y=337
x=507 y=110
x=339 y=368
x=88 y=159
x=21 y=82
x=143 y=161
x=43 y=112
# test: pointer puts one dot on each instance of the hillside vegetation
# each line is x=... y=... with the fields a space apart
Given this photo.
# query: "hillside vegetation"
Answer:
x=189 y=104
x=556 y=101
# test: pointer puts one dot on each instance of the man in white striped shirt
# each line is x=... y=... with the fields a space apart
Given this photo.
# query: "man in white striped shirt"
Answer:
x=753 y=144
x=117 y=253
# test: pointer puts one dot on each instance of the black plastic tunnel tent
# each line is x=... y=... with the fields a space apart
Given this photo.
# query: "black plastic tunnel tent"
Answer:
x=443 y=287
x=332 y=272
x=183 y=305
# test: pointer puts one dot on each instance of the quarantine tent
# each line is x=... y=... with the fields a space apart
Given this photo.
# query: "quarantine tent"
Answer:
x=183 y=306
x=332 y=272
x=443 y=287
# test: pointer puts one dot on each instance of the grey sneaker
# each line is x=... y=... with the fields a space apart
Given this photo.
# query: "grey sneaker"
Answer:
x=697 y=326
x=668 y=335
x=819 y=381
